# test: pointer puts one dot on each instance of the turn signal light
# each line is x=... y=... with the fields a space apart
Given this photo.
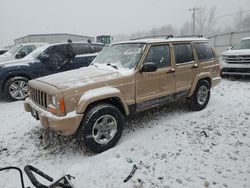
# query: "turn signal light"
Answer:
x=62 y=106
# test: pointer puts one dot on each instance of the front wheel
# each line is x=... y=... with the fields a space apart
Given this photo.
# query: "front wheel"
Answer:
x=16 y=88
x=198 y=101
x=101 y=128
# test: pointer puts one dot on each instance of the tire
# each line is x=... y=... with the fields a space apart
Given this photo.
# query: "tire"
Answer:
x=199 y=100
x=16 y=88
x=99 y=122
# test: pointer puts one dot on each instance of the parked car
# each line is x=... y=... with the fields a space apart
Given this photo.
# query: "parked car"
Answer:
x=14 y=75
x=19 y=51
x=236 y=60
x=2 y=51
x=125 y=78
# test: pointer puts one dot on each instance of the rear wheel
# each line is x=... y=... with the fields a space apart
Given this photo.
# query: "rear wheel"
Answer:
x=16 y=88
x=101 y=128
x=199 y=100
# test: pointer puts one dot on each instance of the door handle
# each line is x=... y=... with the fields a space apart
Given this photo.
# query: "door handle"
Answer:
x=195 y=66
x=171 y=70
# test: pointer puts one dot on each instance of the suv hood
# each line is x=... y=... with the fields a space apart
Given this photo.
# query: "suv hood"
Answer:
x=81 y=77
x=6 y=57
x=237 y=52
x=15 y=62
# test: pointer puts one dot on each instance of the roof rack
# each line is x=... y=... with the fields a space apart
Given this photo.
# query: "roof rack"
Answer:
x=154 y=37
x=167 y=37
x=186 y=36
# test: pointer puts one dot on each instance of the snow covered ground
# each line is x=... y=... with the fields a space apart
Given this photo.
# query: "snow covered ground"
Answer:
x=166 y=144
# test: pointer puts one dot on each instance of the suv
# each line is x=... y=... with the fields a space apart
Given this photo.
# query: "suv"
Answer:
x=3 y=51
x=236 y=60
x=125 y=78
x=19 y=51
x=46 y=60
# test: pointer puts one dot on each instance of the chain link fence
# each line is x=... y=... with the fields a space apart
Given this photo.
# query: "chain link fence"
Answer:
x=222 y=41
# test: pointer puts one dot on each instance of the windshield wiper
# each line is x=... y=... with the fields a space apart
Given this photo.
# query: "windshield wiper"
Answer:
x=114 y=66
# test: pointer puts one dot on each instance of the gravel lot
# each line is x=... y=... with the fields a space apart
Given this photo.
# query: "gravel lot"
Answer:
x=167 y=144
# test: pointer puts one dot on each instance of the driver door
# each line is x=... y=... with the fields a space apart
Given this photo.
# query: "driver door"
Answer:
x=154 y=88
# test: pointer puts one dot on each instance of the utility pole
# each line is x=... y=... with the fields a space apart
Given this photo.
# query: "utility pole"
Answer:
x=193 y=16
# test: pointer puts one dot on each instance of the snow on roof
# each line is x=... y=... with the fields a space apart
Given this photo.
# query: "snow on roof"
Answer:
x=164 y=39
x=51 y=34
x=246 y=38
x=34 y=43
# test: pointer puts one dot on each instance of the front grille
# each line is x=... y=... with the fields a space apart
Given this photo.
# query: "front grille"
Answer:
x=39 y=97
x=237 y=59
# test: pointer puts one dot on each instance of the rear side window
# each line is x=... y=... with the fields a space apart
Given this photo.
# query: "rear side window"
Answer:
x=97 y=47
x=81 y=48
x=183 y=53
x=204 y=51
x=159 y=55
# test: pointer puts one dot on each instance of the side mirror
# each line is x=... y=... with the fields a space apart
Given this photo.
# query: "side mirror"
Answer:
x=20 y=55
x=43 y=57
x=149 y=67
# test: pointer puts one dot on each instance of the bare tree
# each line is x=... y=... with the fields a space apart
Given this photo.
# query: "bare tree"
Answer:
x=164 y=30
x=238 y=20
x=205 y=20
x=186 y=28
x=245 y=23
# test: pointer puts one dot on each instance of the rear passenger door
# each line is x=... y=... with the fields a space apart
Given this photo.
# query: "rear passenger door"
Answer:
x=185 y=67
x=206 y=58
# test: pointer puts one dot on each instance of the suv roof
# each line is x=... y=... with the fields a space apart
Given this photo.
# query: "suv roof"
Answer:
x=246 y=38
x=34 y=43
x=158 y=39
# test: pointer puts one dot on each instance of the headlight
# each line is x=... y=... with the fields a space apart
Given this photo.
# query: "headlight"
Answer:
x=222 y=60
x=223 y=57
x=53 y=100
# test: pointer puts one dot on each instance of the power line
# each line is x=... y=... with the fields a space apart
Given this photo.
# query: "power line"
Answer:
x=232 y=14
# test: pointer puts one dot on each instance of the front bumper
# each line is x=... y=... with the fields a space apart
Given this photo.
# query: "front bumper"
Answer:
x=66 y=125
x=235 y=71
x=234 y=68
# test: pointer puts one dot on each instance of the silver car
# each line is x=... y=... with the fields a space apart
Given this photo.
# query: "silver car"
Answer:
x=19 y=51
x=236 y=60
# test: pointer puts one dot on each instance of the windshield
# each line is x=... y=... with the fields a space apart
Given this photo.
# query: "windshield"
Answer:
x=14 y=49
x=243 y=44
x=120 y=55
x=37 y=52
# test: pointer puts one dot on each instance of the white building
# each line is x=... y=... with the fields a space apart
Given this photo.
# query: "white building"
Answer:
x=52 y=38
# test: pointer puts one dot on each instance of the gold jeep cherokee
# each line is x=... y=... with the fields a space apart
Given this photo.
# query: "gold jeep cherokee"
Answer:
x=125 y=78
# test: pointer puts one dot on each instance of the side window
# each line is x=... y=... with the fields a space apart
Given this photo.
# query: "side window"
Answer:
x=183 y=53
x=81 y=48
x=33 y=47
x=98 y=47
x=204 y=51
x=159 y=55
x=26 y=50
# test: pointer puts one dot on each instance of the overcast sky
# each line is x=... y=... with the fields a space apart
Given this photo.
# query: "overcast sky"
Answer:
x=95 y=17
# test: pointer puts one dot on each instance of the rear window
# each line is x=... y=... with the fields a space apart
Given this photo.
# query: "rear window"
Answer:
x=204 y=51
x=183 y=53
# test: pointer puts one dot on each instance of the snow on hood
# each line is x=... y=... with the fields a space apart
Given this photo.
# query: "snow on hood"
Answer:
x=15 y=62
x=80 y=77
x=7 y=57
x=237 y=52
